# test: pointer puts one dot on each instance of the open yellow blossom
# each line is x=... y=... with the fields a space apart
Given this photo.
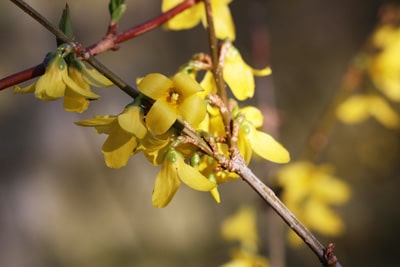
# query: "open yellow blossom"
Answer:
x=123 y=132
x=173 y=171
x=240 y=76
x=223 y=23
x=309 y=191
x=250 y=139
x=174 y=99
x=358 y=108
x=56 y=83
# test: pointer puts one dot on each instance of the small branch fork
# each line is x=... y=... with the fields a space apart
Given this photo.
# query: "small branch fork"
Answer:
x=109 y=42
x=235 y=163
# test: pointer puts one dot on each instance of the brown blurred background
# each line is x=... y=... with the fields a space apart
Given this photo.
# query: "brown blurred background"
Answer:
x=61 y=206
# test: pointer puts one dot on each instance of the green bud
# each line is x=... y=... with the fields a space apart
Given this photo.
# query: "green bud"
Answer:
x=117 y=9
x=195 y=160
x=65 y=24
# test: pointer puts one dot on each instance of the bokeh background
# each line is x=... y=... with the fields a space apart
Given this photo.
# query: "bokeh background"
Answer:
x=61 y=206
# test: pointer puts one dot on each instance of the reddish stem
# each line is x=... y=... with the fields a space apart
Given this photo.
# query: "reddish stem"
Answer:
x=104 y=45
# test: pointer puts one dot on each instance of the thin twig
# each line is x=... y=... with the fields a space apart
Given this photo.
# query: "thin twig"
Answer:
x=104 y=45
x=217 y=67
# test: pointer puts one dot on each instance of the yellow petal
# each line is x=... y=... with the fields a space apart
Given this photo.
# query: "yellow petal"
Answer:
x=166 y=185
x=192 y=177
x=24 y=90
x=94 y=78
x=262 y=72
x=103 y=124
x=238 y=75
x=186 y=84
x=185 y=20
x=383 y=112
x=193 y=110
x=253 y=115
x=155 y=85
x=223 y=22
x=353 y=110
x=118 y=147
x=50 y=85
x=322 y=219
x=215 y=194
x=78 y=89
x=267 y=147
x=208 y=83
x=160 y=117
x=73 y=102
x=131 y=121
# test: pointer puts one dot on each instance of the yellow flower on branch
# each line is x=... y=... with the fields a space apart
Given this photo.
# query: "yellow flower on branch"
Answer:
x=173 y=171
x=69 y=81
x=358 y=108
x=239 y=76
x=309 y=191
x=174 y=99
x=124 y=131
x=250 y=139
x=223 y=23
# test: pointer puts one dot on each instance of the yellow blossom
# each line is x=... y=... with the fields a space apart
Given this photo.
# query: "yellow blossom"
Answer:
x=309 y=191
x=250 y=139
x=359 y=107
x=56 y=83
x=123 y=132
x=384 y=67
x=174 y=99
x=240 y=76
x=173 y=171
x=242 y=227
x=223 y=23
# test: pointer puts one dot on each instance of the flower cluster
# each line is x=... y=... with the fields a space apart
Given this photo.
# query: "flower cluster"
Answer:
x=309 y=191
x=381 y=66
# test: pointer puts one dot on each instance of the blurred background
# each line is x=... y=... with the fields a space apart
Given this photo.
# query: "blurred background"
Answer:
x=61 y=206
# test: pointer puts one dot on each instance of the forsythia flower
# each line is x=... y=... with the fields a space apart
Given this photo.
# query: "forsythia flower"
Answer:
x=384 y=67
x=250 y=139
x=123 y=131
x=240 y=76
x=71 y=82
x=173 y=171
x=237 y=74
x=242 y=227
x=224 y=27
x=359 y=107
x=308 y=191
x=56 y=82
x=174 y=99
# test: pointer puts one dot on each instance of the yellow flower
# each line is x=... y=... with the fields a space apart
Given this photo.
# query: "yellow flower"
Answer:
x=244 y=259
x=242 y=227
x=173 y=171
x=223 y=23
x=240 y=76
x=384 y=67
x=237 y=74
x=174 y=99
x=56 y=83
x=123 y=132
x=359 y=107
x=250 y=139
x=308 y=191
